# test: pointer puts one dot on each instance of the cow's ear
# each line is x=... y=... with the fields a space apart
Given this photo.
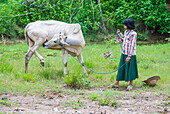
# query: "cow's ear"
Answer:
x=77 y=28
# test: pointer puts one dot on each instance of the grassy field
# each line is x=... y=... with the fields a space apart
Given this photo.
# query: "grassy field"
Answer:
x=49 y=85
x=152 y=61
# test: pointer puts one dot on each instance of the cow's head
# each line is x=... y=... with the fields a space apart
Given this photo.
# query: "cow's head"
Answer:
x=58 y=39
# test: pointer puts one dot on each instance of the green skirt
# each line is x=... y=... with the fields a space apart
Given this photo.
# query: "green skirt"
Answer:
x=129 y=71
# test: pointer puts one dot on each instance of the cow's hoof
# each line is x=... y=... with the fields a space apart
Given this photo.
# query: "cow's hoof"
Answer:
x=42 y=64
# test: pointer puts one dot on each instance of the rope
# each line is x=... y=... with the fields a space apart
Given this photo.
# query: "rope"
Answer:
x=106 y=73
x=85 y=66
x=93 y=70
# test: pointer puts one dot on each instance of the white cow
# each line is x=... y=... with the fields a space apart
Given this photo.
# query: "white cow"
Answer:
x=59 y=36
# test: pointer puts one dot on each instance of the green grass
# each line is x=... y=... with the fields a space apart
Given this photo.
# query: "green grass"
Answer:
x=152 y=60
x=4 y=102
x=74 y=104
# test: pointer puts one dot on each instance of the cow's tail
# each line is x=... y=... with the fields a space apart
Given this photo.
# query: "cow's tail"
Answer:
x=26 y=35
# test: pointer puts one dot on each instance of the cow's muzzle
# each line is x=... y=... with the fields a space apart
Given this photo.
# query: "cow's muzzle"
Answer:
x=45 y=46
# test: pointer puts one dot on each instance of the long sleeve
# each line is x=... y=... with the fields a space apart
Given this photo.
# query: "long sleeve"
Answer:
x=132 y=45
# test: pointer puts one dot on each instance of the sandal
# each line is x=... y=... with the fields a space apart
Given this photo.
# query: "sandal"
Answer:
x=113 y=86
x=129 y=88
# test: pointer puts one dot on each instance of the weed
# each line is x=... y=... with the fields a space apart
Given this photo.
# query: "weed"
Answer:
x=99 y=76
x=6 y=66
x=166 y=98
x=113 y=76
x=74 y=104
x=28 y=77
x=89 y=63
x=109 y=93
x=116 y=66
x=168 y=39
x=5 y=102
x=94 y=96
x=108 y=102
x=103 y=100
x=164 y=105
x=46 y=73
x=75 y=81
x=114 y=103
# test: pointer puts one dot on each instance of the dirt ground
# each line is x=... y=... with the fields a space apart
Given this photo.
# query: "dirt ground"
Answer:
x=55 y=103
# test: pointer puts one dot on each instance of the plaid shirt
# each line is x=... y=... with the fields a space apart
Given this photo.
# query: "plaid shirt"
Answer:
x=129 y=43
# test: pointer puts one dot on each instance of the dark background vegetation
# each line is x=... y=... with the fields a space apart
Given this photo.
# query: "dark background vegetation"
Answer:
x=98 y=18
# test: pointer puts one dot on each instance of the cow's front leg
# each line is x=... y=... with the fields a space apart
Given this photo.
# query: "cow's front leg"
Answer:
x=80 y=57
x=65 y=54
x=40 y=57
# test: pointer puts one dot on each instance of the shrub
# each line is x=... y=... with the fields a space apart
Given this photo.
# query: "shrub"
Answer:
x=94 y=96
x=146 y=13
x=75 y=81
x=108 y=102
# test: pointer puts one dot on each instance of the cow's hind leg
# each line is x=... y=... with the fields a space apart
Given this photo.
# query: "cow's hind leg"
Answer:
x=80 y=58
x=28 y=55
x=27 y=59
x=33 y=50
x=65 y=55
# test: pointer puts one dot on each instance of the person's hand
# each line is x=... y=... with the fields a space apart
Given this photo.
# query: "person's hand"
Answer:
x=128 y=59
x=118 y=31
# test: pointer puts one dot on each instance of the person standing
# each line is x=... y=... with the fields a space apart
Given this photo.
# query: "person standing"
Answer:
x=129 y=71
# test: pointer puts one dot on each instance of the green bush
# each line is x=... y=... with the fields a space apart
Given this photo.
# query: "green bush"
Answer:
x=108 y=102
x=147 y=13
x=3 y=1
x=77 y=81
x=94 y=96
x=5 y=102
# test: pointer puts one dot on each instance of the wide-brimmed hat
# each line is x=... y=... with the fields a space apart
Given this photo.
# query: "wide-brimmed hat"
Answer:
x=152 y=80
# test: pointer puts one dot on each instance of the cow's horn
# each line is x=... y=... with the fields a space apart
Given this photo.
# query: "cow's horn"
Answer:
x=63 y=32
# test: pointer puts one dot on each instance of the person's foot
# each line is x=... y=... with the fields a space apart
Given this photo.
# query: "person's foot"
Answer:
x=113 y=86
x=130 y=87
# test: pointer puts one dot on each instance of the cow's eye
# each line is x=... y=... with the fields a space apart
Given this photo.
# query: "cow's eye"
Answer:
x=66 y=37
x=55 y=41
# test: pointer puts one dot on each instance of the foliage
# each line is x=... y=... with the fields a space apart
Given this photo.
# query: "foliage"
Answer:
x=74 y=104
x=164 y=105
x=5 y=102
x=108 y=102
x=3 y=1
x=77 y=81
x=168 y=39
x=94 y=96
x=104 y=101
x=146 y=13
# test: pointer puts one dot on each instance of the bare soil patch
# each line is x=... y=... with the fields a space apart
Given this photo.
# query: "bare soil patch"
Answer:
x=56 y=102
